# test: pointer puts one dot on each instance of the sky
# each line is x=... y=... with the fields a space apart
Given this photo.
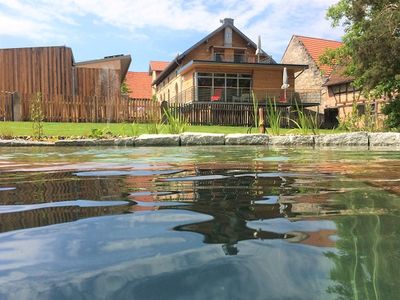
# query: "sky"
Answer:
x=156 y=29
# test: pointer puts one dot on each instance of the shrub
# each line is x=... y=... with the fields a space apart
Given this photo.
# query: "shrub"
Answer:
x=274 y=118
x=176 y=122
x=392 y=111
x=37 y=116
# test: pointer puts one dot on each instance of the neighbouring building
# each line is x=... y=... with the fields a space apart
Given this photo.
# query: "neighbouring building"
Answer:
x=139 y=85
x=338 y=94
x=227 y=67
x=78 y=91
x=155 y=69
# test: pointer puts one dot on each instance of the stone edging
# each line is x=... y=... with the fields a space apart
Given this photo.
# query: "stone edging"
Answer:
x=361 y=139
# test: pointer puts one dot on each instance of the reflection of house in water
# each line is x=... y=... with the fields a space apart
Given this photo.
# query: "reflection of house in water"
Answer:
x=55 y=187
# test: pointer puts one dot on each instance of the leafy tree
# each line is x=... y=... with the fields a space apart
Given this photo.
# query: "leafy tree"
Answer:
x=371 y=45
x=371 y=42
x=125 y=90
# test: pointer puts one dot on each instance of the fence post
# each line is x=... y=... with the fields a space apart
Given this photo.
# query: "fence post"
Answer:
x=16 y=107
x=163 y=108
x=261 y=123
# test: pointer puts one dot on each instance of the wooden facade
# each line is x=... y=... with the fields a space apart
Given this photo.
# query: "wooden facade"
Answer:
x=232 y=63
x=69 y=91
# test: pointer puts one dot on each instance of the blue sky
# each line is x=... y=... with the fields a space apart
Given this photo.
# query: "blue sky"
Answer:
x=155 y=29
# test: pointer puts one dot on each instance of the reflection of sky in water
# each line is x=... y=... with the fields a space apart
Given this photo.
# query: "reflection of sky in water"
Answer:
x=138 y=255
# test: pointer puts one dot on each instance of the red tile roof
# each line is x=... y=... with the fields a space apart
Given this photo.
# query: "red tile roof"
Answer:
x=158 y=65
x=139 y=83
x=316 y=47
x=338 y=77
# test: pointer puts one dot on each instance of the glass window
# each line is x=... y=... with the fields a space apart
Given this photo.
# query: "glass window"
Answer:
x=245 y=83
x=219 y=82
x=204 y=81
x=204 y=74
x=219 y=74
x=232 y=75
x=230 y=82
x=245 y=75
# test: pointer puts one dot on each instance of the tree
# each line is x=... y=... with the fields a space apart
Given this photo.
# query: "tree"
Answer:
x=371 y=43
x=371 y=49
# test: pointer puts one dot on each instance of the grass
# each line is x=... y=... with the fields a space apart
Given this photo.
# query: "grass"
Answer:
x=118 y=129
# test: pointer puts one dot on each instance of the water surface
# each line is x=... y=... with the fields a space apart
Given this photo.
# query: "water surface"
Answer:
x=199 y=223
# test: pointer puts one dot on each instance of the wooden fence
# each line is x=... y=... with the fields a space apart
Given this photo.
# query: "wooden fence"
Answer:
x=6 y=107
x=61 y=108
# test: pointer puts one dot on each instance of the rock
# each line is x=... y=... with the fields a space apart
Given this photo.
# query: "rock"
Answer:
x=24 y=143
x=291 y=140
x=377 y=139
x=158 y=140
x=130 y=141
x=246 y=139
x=199 y=138
x=80 y=142
x=342 y=139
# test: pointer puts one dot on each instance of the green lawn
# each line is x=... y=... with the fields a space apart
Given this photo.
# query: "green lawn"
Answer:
x=120 y=129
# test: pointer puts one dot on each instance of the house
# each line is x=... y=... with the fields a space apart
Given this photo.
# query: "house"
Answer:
x=227 y=67
x=70 y=91
x=139 y=85
x=338 y=95
x=155 y=69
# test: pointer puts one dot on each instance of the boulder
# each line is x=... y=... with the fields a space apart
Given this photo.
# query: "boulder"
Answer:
x=377 y=139
x=246 y=139
x=78 y=142
x=291 y=140
x=342 y=139
x=198 y=138
x=157 y=140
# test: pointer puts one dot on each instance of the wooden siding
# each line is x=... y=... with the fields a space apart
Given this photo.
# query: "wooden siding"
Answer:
x=30 y=70
x=69 y=93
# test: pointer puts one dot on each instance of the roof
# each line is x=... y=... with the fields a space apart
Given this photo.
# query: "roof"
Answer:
x=178 y=59
x=158 y=65
x=139 y=84
x=337 y=76
x=125 y=62
x=316 y=47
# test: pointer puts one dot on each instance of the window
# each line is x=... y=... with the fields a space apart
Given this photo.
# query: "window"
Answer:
x=361 y=109
x=234 y=86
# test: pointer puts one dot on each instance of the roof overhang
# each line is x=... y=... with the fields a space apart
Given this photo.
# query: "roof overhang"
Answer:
x=250 y=66
x=125 y=61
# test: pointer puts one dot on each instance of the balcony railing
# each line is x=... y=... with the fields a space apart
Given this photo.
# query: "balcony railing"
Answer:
x=239 y=58
x=245 y=95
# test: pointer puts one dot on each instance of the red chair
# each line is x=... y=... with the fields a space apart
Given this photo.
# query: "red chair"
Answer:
x=217 y=95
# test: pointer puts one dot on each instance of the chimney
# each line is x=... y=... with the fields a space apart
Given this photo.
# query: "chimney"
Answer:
x=228 y=21
x=228 y=32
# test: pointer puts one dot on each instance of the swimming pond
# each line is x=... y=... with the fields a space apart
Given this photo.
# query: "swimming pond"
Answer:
x=240 y=222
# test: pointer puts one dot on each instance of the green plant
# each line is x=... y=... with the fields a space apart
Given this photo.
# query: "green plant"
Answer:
x=306 y=121
x=274 y=117
x=255 y=110
x=131 y=129
x=6 y=132
x=37 y=116
x=98 y=133
x=176 y=123
x=154 y=128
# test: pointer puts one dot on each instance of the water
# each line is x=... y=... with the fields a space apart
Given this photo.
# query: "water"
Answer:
x=199 y=223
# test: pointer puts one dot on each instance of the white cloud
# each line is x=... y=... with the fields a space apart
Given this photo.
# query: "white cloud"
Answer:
x=275 y=20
